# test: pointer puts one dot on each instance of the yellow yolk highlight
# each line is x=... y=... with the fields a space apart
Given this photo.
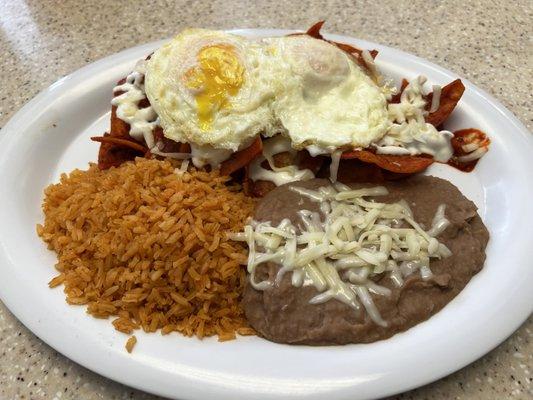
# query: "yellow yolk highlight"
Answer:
x=218 y=75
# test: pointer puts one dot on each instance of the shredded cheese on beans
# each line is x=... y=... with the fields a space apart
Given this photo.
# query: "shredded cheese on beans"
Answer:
x=341 y=248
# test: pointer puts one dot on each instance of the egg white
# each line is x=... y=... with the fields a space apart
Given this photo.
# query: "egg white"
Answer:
x=234 y=127
x=327 y=99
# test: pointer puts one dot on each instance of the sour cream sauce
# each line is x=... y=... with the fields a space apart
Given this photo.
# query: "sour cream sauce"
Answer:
x=279 y=176
x=142 y=121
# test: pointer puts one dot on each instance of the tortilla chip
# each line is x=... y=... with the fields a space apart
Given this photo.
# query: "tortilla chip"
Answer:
x=398 y=164
x=464 y=137
x=354 y=170
x=314 y=32
x=450 y=96
x=112 y=155
x=242 y=158
x=119 y=128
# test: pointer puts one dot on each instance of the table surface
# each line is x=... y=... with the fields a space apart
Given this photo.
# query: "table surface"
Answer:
x=40 y=41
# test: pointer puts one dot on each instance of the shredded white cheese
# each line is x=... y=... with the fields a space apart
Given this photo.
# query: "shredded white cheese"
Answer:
x=182 y=168
x=334 y=166
x=409 y=133
x=435 y=99
x=474 y=155
x=350 y=241
x=371 y=65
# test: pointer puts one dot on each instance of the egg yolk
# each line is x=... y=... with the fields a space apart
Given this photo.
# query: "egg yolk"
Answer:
x=218 y=75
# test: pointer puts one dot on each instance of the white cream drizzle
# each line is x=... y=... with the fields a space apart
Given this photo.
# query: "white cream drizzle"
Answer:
x=208 y=155
x=142 y=121
x=413 y=138
x=315 y=150
x=279 y=176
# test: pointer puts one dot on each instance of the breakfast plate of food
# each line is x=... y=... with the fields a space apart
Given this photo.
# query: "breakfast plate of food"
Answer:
x=266 y=213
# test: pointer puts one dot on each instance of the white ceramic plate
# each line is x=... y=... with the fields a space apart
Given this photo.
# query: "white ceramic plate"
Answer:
x=50 y=135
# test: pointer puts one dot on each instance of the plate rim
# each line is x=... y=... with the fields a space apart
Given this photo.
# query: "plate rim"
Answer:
x=10 y=132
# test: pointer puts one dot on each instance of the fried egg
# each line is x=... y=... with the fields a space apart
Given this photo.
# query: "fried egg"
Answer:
x=211 y=89
x=327 y=100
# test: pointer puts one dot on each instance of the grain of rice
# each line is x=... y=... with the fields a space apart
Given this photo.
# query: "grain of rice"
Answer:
x=148 y=246
x=131 y=343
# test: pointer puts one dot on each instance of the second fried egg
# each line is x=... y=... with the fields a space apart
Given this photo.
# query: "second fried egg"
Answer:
x=327 y=100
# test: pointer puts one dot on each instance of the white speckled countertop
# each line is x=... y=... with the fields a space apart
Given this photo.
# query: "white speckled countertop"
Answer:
x=489 y=43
